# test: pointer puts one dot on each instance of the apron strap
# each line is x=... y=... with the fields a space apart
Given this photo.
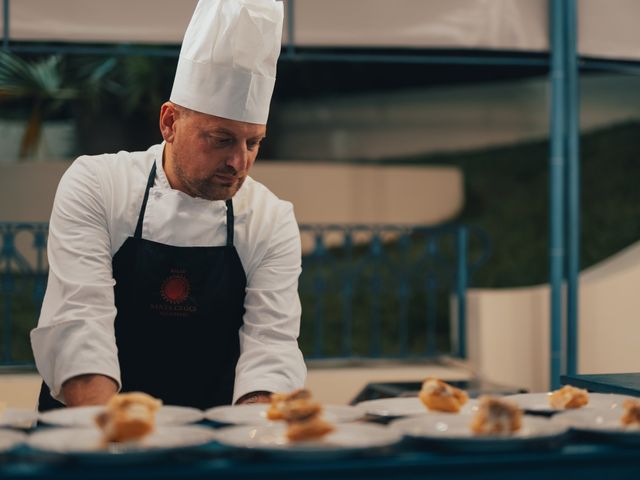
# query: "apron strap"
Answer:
x=152 y=177
x=229 y=223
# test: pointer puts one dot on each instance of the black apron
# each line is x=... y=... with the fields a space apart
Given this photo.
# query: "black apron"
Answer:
x=179 y=312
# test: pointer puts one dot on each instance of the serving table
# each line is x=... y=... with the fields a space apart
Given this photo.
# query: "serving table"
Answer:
x=622 y=383
x=579 y=456
x=576 y=460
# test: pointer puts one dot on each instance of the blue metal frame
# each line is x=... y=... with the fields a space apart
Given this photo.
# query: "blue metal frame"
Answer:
x=556 y=187
x=573 y=186
x=564 y=190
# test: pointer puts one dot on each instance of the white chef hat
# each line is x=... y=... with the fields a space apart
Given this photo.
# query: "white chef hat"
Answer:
x=227 y=64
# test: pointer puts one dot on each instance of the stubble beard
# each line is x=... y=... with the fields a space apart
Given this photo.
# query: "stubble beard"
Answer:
x=205 y=188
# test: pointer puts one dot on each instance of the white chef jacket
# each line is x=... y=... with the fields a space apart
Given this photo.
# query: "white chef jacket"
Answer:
x=95 y=210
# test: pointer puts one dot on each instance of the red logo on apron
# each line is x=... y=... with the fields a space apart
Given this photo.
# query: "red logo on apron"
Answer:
x=175 y=289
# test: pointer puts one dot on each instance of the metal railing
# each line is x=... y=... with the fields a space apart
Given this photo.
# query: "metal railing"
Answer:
x=24 y=277
x=385 y=291
x=367 y=291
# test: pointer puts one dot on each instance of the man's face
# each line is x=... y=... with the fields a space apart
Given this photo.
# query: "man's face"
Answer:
x=208 y=156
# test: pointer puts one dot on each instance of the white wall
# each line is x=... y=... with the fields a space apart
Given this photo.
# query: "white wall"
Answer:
x=320 y=192
x=508 y=329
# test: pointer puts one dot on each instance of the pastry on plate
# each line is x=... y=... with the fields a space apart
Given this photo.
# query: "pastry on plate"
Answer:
x=309 y=428
x=568 y=397
x=631 y=416
x=300 y=410
x=496 y=416
x=302 y=414
x=279 y=401
x=128 y=417
x=440 y=396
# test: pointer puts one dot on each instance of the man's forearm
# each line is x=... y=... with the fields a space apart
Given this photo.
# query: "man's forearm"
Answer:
x=88 y=390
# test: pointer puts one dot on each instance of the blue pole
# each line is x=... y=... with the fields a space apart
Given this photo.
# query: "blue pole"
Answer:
x=461 y=291
x=5 y=25
x=556 y=183
x=573 y=187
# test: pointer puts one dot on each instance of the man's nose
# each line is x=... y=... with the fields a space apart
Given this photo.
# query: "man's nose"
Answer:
x=239 y=158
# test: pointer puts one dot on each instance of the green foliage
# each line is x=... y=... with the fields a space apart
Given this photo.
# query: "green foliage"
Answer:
x=145 y=84
x=24 y=315
x=45 y=86
x=506 y=193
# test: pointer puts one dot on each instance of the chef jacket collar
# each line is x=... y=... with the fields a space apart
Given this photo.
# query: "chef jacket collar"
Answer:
x=239 y=201
x=161 y=177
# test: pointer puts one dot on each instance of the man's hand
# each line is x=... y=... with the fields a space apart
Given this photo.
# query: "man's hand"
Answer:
x=255 y=397
x=88 y=390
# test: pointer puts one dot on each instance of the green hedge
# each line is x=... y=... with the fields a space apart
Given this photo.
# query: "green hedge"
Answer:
x=507 y=193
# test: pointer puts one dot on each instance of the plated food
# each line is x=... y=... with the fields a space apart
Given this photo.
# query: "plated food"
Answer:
x=455 y=432
x=88 y=443
x=85 y=416
x=541 y=403
x=279 y=402
x=568 y=397
x=435 y=396
x=256 y=414
x=345 y=440
x=496 y=416
x=17 y=417
x=302 y=414
x=440 y=396
x=619 y=423
x=10 y=439
x=128 y=417
x=631 y=416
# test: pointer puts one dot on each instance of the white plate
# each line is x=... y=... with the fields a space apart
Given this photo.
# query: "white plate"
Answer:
x=403 y=407
x=347 y=439
x=87 y=442
x=85 y=416
x=256 y=414
x=601 y=423
x=453 y=432
x=10 y=439
x=18 y=418
x=539 y=402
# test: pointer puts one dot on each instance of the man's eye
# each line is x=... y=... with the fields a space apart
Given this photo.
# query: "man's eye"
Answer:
x=221 y=140
x=254 y=144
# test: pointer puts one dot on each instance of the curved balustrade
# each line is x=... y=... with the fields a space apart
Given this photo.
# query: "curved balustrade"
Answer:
x=382 y=291
x=24 y=277
x=367 y=291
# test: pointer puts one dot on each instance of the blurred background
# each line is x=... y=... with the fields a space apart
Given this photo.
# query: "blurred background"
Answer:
x=413 y=138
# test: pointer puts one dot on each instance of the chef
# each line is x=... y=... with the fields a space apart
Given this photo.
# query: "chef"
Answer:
x=172 y=271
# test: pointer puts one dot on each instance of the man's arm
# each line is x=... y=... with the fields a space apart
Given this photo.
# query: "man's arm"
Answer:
x=88 y=390
x=270 y=359
x=75 y=333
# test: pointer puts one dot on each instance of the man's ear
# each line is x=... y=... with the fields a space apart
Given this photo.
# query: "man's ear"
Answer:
x=168 y=114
